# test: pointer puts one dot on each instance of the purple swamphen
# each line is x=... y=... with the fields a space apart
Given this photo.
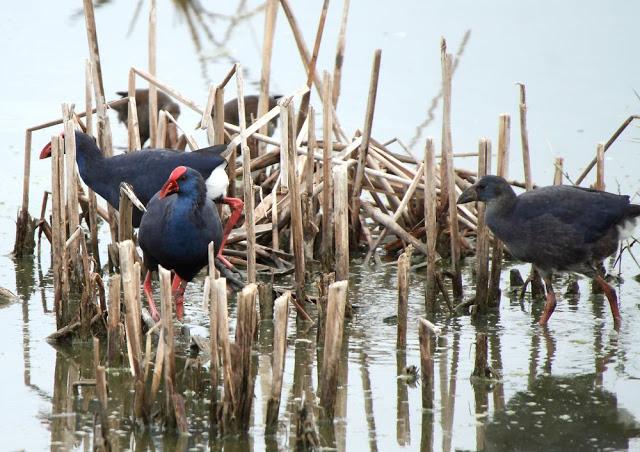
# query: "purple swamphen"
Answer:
x=557 y=228
x=176 y=230
x=147 y=170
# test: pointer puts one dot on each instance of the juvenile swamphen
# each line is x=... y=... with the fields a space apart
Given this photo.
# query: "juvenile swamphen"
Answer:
x=142 y=108
x=147 y=170
x=250 y=111
x=176 y=230
x=557 y=228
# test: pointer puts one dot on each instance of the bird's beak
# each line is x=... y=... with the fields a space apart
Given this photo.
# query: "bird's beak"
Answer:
x=470 y=194
x=46 y=151
x=170 y=186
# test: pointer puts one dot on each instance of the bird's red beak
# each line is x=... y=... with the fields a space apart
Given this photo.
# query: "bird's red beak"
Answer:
x=46 y=151
x=171 y=185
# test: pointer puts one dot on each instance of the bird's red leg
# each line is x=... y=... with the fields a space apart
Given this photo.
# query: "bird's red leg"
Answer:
x=177 y=290
x=148 y=293
x=610 y=293
x=236 y=206
x=550 y=305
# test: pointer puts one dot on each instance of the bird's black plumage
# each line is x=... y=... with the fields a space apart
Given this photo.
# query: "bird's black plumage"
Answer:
x=556 y=228
x=146 y=170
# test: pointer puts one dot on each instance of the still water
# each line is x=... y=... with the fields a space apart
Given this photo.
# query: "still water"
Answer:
x=577 y=387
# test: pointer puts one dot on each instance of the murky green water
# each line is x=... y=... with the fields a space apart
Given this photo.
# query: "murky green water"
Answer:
x=575 y=387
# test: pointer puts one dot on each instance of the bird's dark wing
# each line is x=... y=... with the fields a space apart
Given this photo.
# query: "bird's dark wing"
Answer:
x=589 y=214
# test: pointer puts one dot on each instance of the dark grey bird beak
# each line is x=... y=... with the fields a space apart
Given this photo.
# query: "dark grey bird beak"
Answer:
x=470 y=194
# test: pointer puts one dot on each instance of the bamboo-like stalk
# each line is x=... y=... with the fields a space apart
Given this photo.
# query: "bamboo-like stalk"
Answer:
x=404 y=262
x=364 y=146
x=218 y=118
x=94 y=51
x=326 y=246
x=132 y=118
x=220 y=285
x=337 y=300
x=446 y=128
x=524 y=138
x=153 y=92
x=270 y=16
x=482 y=241
x=431 y=224
x=113 y=324
x=498 y=248
x=58 y=231
x=247 y=183
x=599 y=185
x=558 y=171
x=449 y=180
x=425 y=330
x=387 y=221
x=279 y=353
x=311 y=68
x=340 y=48
x=132 y=317
x=341 y=222
x=213 y=330
x=125 y=214
x=296 y=206
x=245 y=328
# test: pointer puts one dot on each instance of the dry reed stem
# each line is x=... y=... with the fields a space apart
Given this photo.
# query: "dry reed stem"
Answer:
x=341 y=222
x=153 y=92
x=270 y=16
x=326 y=246
x=113 y=324
x=425 y=330
x=524 y=138
x=404 y=264
x=132 y=114
x=247 y=182
x=278 y=361
x=558 y=171
x=366 y=135
x=599 y=185
x=340 y=48
x=337 y=300
x=431 y=225
x=483 y=240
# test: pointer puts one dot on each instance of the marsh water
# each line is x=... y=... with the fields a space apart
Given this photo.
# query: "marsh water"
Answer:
x=575 y=386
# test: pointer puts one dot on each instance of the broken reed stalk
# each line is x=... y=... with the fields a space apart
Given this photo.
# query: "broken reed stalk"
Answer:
x=524 y=138
x=482 y=234
x=426 y=330
x=289 y=146
x=58 y=232
x=247 y=181
x=431 y=223
x=558 y=171
x=308 y=212
x=387 y=221
x=270 y=16
x=364 y=146
x=336 y=303
x=599 y=185
x=114 y=338
x=25 y=225
x=326 y=246
x=340 y=48
x=73 y=218
x=404 y=264
x=174 y=404
x=265 y=300
x=243 y=377
x=341 y=221
x=504 y=126
x=153 y=91
x=450 y=180
x=220 y=285
x=213 y=331
x=125 y=213
x=130 y=272
x=278 y=360
x=132 y=118
x=481 y=367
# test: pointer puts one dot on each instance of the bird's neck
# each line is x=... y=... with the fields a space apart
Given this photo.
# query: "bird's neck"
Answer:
x=498 y=211
x=94 y=171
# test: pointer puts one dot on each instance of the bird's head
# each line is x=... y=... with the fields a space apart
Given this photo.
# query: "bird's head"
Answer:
x=84 y=141
x=182 y=180
x=172 y=107
x=487 y=189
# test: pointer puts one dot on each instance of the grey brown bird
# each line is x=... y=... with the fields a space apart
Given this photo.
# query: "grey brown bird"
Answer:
x=558 y=229
x=142 y=107
x=250 y=111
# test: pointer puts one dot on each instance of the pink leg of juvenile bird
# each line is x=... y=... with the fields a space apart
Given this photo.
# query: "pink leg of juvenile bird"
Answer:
x=148 y=293
x=550 y=305
x=177 y=290
x=236 y=210
x=610 y=293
